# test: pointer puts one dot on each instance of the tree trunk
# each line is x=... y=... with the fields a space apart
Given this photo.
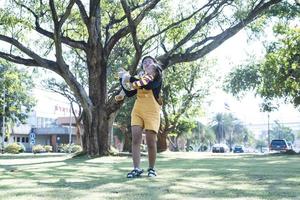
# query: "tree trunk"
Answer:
x=96 y=135
x=127 y=140
x=111 y=120
x=162 y=144
x=78 y=135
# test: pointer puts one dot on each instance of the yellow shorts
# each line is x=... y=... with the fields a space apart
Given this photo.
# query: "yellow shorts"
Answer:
x=146 y=111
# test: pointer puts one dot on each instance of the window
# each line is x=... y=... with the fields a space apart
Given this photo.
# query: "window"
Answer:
x=14 y=138
x=27 y=139
x=23 y=139
x=18 y=139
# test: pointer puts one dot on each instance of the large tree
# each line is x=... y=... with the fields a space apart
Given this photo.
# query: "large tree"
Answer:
x=41 y=32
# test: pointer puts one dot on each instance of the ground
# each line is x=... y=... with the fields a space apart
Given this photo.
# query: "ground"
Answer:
x=180 y=176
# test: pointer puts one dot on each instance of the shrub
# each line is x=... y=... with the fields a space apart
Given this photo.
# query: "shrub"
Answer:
x=66 y=148
x=48 y=148
x=23 y=148
x=13 y=148
x=38 y=149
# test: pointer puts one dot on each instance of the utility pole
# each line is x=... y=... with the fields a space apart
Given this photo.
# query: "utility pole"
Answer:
x=3 y=119
x=269 y=130
x=70 y=129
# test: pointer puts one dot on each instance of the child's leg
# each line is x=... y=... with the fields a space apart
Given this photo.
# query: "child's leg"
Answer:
x=151 y=144
x=136 y=145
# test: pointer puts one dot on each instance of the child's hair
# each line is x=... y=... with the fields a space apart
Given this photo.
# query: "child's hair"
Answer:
x=154 y=60
x=158 y=71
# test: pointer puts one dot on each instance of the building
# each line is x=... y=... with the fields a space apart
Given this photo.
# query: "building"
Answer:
x=50 y=123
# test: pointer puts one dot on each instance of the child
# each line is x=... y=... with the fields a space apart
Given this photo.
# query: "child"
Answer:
x=145 y=114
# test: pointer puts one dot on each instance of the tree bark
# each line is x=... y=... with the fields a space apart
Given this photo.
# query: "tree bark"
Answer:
x=78 y=135
x=162 y=144
x=127 y=140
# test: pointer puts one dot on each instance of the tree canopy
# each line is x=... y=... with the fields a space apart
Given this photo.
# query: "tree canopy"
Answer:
x=278 y=75
x=105 y=34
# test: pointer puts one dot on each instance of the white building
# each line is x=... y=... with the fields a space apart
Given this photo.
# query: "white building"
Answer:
x=49 y=121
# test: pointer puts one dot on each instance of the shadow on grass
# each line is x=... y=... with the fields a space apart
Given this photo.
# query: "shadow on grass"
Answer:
x=246 y=176
x=31 y=155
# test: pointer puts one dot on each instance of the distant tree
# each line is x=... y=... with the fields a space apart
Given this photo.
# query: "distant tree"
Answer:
x=280 y=131
x=184 y=88
x=277 y=75
x=228 y=129
x=203 y=137
x=16 y=95
x=183 y=130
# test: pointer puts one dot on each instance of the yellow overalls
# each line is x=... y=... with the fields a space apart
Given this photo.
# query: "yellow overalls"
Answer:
x=146 y=111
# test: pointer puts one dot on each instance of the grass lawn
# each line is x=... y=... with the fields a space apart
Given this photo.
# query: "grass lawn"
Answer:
x=180 y=176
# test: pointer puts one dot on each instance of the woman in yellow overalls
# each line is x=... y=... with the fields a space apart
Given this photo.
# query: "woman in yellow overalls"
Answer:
x=145 y=114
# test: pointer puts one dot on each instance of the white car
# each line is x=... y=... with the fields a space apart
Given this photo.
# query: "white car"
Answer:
x=220 y=148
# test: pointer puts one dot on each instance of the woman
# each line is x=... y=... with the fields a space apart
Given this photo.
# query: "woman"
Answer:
x=145 y=114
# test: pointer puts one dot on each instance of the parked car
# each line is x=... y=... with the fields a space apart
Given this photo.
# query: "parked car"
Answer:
x=238 y=149
x=220 y=148
x=278 y=145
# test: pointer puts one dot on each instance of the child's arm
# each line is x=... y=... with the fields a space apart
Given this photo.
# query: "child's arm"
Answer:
x=145 y=80
x=127 y=92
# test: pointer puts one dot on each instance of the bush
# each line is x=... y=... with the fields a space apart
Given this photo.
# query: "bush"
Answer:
x=23 y=148
x=13 y=148
x=48 y=148
x=66 y=148
x=38 y=149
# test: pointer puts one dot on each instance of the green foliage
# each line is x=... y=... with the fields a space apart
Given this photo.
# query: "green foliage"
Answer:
x=278 y=75
x=13 y=148
x=184 y=88
x=17 y=85
x=242 y=79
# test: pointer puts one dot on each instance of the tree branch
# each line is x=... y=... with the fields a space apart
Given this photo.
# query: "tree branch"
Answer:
x=39 y=29
x=42 y=62
x=217 y=40
x=176 y=23
x=132 y=27
x=200 y=24
x=58 y=23
x=67 y=13
x=18 y=59
x=124 y=31
x=83 y=12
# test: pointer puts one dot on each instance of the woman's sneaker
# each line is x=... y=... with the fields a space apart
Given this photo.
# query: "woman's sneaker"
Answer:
x=135 y=173
x=151 y=172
